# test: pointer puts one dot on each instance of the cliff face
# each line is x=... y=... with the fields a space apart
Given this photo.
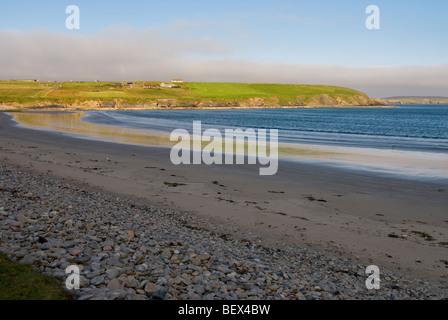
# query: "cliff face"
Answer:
x=323 y=100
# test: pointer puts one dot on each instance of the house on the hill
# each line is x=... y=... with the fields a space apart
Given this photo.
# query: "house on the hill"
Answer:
x=177 y=81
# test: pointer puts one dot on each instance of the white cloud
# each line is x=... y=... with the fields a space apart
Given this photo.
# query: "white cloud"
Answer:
x=155 y=54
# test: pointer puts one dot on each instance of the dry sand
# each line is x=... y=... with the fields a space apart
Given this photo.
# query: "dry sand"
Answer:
x=339 y=212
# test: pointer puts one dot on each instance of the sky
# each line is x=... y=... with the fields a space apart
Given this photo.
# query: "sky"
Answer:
x=313 y=42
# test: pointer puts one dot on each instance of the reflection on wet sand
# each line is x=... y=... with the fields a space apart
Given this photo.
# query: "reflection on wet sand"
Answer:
x=71 y=123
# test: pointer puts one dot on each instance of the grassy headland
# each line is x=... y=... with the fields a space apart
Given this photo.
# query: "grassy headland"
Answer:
x=150 y=95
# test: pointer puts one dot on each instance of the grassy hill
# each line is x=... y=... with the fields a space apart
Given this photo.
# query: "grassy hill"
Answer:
x=23 y=282
x=190 y=94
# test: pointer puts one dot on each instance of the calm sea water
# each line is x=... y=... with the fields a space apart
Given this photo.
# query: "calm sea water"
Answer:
x=411 y=128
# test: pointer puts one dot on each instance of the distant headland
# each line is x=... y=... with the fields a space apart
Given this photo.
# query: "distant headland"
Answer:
x=416 y=100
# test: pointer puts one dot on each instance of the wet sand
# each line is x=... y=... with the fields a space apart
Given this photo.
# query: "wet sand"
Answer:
x=337 y=211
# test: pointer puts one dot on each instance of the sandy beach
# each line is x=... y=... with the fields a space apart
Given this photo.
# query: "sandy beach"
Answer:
x=397 y=224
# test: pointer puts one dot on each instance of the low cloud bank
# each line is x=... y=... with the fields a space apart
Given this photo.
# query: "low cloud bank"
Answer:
x=152 y=54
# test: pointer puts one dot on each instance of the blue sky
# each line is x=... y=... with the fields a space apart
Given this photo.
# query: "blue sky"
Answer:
x=259 y=32
x=322 y=31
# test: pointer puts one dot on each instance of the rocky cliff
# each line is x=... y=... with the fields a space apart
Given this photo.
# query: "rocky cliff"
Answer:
x=323 y=100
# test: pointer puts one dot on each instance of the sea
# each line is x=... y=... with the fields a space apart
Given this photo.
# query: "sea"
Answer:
x=421 y=128
x=408 y=141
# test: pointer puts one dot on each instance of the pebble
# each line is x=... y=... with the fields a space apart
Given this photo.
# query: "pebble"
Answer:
x=28 y=260
x=204 y=257
x=198 y=289
x=14 y=223
x=117 y=295
x=61 y=225
x=116 y=284
x=75 y=252
x=196 y=261
x=151 y=288
x=97 y=281
x=112 y=273
x=69 y=224
x=166 y=254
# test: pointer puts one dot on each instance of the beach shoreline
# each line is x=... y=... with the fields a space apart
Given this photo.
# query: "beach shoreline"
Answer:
x=370 y=219
x=20 y=108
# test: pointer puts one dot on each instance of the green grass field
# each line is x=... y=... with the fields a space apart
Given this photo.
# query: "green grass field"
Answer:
x=21 y=92
x=22 y=282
